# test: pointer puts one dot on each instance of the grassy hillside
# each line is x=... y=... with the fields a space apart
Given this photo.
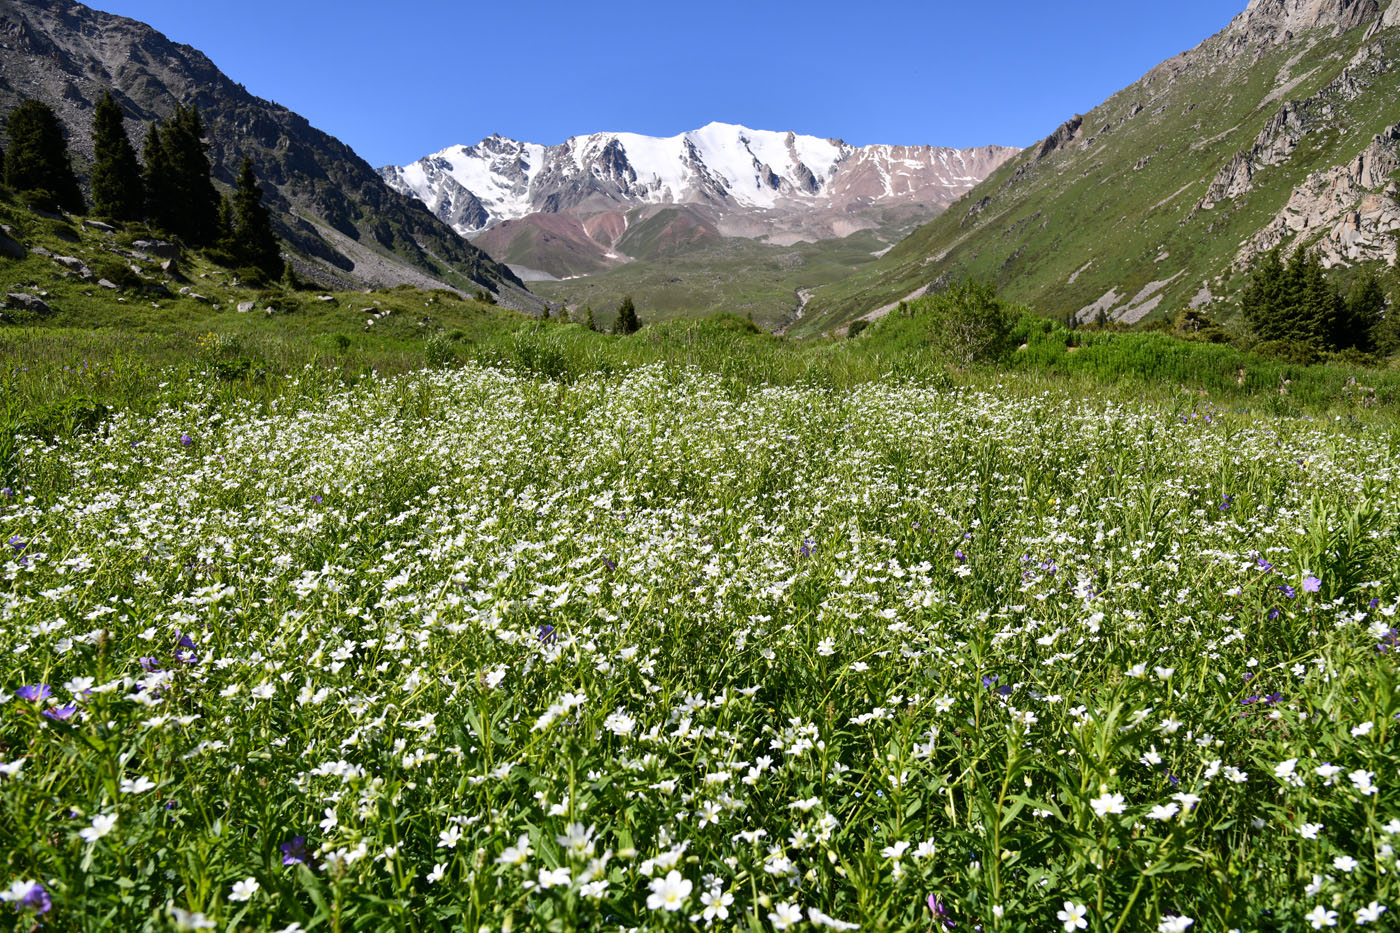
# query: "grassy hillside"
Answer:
x=1114 y=208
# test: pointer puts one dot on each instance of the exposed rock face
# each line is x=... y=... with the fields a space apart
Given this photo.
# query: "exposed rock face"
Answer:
x=1276 y=20
x=66 y=54
x=728 y=179
x=1356 y=205
x=1057 y=140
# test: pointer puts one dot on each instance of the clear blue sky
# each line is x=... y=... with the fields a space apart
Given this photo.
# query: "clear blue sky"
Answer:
x=397 y=81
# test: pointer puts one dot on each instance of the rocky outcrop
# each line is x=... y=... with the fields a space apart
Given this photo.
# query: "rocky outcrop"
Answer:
x=1353 y=210
x=1279 y=20
x=1062 y=137
x=1291 y=123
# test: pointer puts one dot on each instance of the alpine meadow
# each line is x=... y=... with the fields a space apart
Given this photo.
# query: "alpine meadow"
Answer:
x=731 y=530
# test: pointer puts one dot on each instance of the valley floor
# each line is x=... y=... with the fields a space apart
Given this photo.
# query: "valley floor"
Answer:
x=468 y=648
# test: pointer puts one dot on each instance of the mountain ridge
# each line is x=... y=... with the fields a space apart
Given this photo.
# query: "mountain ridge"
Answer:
x=346 y=227
x=725 y=180
x=1158 y=199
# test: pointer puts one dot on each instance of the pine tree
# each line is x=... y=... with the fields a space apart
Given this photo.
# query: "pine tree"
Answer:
x=158 y=181
x=1385 y=336
x=1360 y=326
x=1319 y=307
x=254 y=243
x=627 y=322
x=1263 y=298
x=117 y=190
x=180 y=194
x=588 y=320
x=37 y=158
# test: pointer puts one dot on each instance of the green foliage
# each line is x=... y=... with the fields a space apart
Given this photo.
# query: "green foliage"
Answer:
x=180 y=195
x=254 y=243
x=37 y=161
x=118 y=192
x=1297 y=305
x=961 y=325
x=626 y=322
x=439 y=351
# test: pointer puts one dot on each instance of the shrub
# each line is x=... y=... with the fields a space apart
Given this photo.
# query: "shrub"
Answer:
x=439 y=352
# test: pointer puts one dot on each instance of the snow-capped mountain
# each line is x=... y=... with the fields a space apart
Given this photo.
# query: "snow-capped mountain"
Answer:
x=730 y=180
x=729 y=167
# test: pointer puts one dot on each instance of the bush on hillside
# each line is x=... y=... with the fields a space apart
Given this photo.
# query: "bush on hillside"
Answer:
x=966 y=324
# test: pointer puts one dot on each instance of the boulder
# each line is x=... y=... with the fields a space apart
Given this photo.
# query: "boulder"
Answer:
x=10 y=248
x=99 y=226
x=73 y=264
x=162 y=248
x=22 y=301
x=245 y=306
x=107 y=283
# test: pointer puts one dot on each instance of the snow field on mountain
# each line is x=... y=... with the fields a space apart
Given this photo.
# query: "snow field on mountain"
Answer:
x=470 y=650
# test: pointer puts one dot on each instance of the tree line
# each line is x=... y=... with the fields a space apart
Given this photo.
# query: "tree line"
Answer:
x=172 y=190
x=1296 y=302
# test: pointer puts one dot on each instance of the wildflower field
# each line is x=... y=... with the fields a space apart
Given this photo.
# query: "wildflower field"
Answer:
x=473 y=650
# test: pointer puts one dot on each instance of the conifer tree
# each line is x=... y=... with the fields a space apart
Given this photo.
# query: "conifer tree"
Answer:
x=1263 y=297
x=37 y=157
x=157 y=181
x=1319 y=306
x=627 y=322
x=180 y=194
x=588 y=320
x=1360 y=326
x=117 y=190
x=254 y=243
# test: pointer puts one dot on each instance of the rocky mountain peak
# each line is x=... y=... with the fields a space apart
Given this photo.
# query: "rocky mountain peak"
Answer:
x=1278 y=19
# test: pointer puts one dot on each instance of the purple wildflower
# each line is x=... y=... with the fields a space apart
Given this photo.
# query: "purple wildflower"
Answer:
x=35 y=693
x=807 y=546
x=1287 y=591
x=294 y=852
x=150 y=665
x=940 y=912
x=36 y=899
x=61 y=713
x=185 y=650
x=547 y=635
x=1311 y=584
x=959 y=556
x=186 y=440
x=316 y=498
